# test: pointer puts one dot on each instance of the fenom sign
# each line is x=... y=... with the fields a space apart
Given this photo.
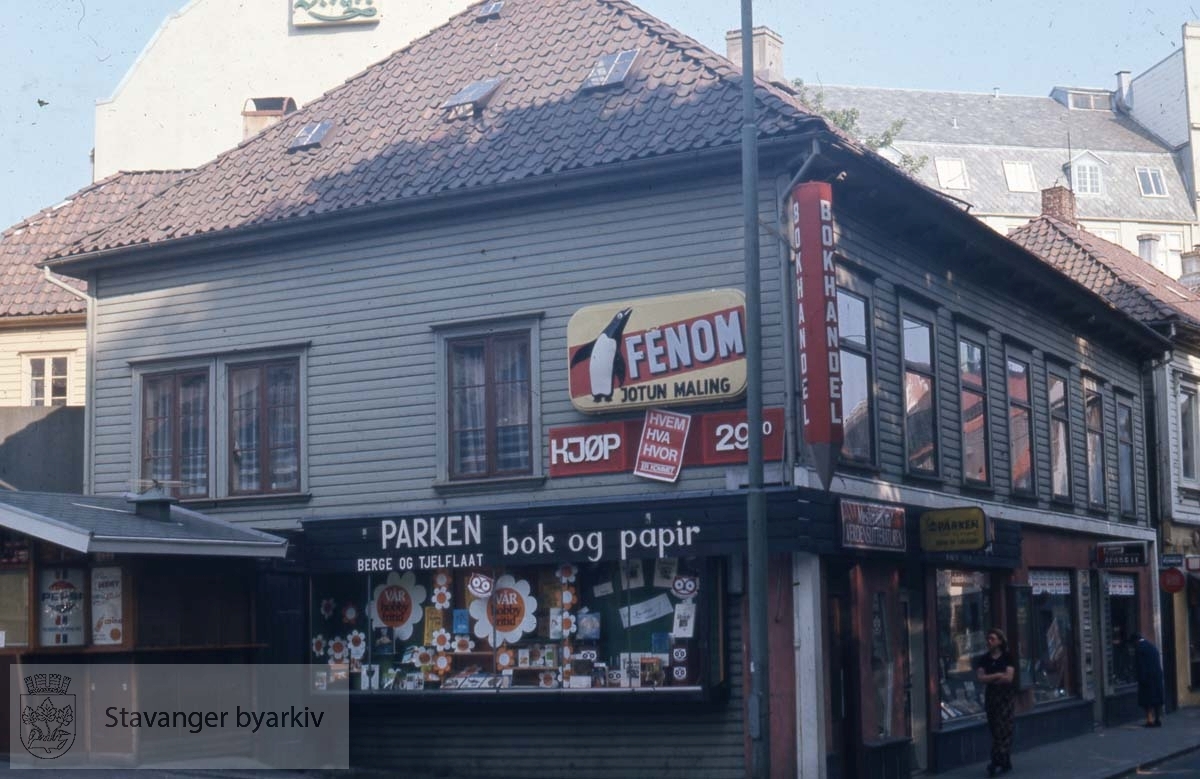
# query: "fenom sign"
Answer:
x=873 y=526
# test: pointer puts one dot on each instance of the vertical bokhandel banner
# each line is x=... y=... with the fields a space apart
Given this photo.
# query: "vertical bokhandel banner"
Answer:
x=817 y=337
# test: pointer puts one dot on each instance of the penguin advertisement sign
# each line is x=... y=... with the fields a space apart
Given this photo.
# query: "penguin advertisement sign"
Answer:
x=659 y=351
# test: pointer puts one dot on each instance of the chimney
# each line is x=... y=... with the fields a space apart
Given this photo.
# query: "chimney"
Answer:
x=154 y=504
x=768 y=53
x=1191 y=269
x=1124 y=92
x=1148 y=248
x=1059 y=202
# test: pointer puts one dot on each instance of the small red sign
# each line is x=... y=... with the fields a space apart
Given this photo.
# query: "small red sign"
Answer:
x=724 y=438
x=660 y=450
x=603 y=447
x=1172 y=580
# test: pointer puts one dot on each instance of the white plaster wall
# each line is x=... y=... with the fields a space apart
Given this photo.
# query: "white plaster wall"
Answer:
x=181 y=103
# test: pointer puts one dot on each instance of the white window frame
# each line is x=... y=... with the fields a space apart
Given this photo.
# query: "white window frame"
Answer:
x=951 y=173
x=1094 y=178
x=445 y=332
x=1189 y=386
x=217 y=366
x=27 y=360
x=1018 y=175
x=1154 y=177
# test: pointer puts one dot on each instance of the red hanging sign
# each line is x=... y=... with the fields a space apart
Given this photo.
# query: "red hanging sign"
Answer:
x=817 y=336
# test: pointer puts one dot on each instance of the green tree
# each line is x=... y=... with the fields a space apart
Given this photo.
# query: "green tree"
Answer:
x=846 y=119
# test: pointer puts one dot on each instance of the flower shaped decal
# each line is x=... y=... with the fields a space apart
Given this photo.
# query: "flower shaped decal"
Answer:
x=424 y=656
x=349 y=614
x=442 y=578
x=442 y=664
x=441 y=597
x=463 y=644
x=548 y=679
x=506 y=658
x=327 y=607
x=568 y=623
x=508 y=614
x=358 y=644
x=566 y=572
x=570 y=598
x=442 y=640
x=318 y=645
x=395 y=603
x=338 y=649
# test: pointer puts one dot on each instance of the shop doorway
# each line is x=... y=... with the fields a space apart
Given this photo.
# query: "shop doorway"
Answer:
x=841 y=655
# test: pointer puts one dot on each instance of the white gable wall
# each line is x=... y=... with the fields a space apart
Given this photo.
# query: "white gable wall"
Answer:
x=181 y=103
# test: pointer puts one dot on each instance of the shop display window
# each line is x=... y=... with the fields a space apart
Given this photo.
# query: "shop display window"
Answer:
x=1049 y=656
x=577 y=626
x=1120 y=613
x=964 y=615
x=1193 y=627
x=14 y=608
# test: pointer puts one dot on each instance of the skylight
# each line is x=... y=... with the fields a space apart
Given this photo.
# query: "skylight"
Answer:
x=610 y=69
x=489 y=10
x=1019 y=177
x=951 y=173
x=310 y=135
x=471 y=98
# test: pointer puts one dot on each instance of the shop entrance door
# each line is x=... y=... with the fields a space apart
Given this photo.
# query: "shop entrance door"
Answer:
x=841 y=735
x=912 y=612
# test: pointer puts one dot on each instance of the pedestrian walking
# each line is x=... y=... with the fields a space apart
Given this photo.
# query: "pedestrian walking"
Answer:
x=995 y=668
x=1150 y=686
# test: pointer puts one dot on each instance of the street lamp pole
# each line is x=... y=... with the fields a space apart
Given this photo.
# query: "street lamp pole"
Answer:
x=758 y=709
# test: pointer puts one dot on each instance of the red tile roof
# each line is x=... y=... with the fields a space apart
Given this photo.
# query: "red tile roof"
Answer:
x=1122 y=278
x=24 y=290
x=392 y=141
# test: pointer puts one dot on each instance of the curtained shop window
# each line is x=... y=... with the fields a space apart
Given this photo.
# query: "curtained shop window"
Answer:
x=1193 y=625
x=964 y=615
x=1060 y=439
x=585 y=626
x=1052 y=637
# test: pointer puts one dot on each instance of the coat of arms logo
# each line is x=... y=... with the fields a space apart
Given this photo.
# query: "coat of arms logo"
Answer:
x=47 y=715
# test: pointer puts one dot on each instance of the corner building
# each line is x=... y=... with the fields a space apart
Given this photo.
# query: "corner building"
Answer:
x=439 y=327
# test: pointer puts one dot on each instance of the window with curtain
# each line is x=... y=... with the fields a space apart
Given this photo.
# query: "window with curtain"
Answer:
x=857 y=395
x=1060 y=439
x=1020 y=426
x=264 y=427
x=1188 y=430
x=175 y=436
x=972 y=373
x=1093 y=415
x=920 y=417
x=1125 y=457
x=490 y=430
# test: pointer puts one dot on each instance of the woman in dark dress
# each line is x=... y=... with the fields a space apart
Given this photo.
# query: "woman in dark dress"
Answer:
x=995 y=668
x=1150 y=687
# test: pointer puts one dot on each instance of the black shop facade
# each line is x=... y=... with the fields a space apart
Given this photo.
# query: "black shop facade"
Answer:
x=611 y=627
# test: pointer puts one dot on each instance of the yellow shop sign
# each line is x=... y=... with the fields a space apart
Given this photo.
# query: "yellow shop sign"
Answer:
x=954 y=530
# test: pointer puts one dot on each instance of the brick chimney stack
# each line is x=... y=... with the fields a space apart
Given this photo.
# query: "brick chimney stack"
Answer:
x=1059 y=202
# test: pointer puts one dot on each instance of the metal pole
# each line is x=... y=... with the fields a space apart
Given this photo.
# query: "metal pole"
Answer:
x=758 y=708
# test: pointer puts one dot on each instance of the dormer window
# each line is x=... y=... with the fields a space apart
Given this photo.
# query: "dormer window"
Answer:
x=1090 y=101
x=1019 y=177
x=1151 y=182
x=1085 y=178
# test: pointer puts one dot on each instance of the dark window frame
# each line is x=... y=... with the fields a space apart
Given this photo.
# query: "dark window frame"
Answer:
x=1127 y=503
x=1063 y=416
x=1092 y=387
x=922 y=317
x=861 y=291
x=174 y=483
x=489 y=341
x=980 y=389
x=1012 y=405
x=266 y=443
x=1189 y=431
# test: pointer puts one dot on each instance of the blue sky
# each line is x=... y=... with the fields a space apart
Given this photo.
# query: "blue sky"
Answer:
x=71 y=53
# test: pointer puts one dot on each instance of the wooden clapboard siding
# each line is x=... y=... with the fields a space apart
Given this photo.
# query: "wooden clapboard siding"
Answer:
x=366 y=306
